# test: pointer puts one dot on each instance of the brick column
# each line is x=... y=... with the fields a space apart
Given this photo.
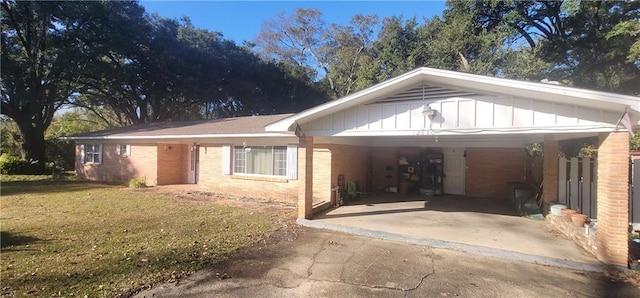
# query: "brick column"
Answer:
x=551 y=151
x=613 y=198
x=305 y=177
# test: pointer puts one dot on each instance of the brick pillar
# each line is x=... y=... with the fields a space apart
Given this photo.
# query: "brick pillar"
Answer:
x=613 y=198
x=551 y=151
x=305 y=177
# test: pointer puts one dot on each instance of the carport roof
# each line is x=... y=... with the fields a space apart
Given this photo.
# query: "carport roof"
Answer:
x=541 y=91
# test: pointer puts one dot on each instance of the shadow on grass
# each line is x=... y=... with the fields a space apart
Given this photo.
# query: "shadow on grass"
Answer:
x=46 y=186
x=12 y=242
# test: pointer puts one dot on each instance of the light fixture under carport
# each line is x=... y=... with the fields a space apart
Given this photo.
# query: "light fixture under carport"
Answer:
x=428 y=111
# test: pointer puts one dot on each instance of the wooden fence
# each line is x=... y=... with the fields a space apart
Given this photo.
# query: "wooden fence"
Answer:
x=577 y=179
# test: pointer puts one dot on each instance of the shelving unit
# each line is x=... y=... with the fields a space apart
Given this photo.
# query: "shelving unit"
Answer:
x=432 y=171
x=409 y=178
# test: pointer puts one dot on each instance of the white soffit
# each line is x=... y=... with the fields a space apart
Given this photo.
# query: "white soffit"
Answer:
x=473 y=84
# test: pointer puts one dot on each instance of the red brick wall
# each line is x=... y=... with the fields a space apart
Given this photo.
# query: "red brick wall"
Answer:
x=323 y=180
x=171 y=163
x=550 y=170
x=331 y=160
x=613 y=198
x=212 y=179
x=350 y=162
x=119 y=168
x=490 y=169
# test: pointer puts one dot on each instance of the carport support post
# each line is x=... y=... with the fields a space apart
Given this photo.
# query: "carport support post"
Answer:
x=551 y=150
x=613 y=198
x=305 y=177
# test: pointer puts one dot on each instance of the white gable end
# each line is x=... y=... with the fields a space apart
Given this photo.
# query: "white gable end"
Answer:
x=465 y=104
x=458 y=112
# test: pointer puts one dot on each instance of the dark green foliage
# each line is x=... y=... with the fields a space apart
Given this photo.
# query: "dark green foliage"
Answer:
x=124 y=66
x=585 y=147
x=591 y=44
x=13 y=165
x=47 y=47
x=60 y=154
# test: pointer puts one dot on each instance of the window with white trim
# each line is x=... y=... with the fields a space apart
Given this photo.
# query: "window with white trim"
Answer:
x=123 y=149
x=93 y=153
x=260 y=160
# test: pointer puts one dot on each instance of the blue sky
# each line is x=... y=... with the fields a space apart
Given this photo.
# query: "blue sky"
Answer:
x=241 y=20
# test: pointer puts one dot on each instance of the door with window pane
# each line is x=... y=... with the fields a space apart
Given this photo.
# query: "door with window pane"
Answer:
x=193 y=164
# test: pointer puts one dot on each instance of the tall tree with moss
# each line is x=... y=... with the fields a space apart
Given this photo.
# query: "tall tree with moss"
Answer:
x=590 y=43
x=47 y=47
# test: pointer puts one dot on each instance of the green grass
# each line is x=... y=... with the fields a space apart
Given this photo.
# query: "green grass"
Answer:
x=77 y=239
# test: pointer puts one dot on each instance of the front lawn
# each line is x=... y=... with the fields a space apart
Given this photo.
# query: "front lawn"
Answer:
x=81 y=239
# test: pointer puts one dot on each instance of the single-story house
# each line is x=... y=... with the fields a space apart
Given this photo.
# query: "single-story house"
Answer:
x=468 y=131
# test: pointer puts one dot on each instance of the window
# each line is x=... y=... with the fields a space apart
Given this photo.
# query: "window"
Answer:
x=92 y=153
x=123 y=149
x=260 y=160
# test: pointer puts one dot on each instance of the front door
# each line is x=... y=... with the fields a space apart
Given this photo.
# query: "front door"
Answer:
x=194 y=159
x=454 y=169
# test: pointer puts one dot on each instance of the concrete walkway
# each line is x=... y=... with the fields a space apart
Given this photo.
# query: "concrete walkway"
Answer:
x=486 y=227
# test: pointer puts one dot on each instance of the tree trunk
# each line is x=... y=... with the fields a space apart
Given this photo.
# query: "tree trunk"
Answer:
x=32 y=145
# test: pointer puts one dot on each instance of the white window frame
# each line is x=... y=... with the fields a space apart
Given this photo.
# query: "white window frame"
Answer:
x=123 y=149
x=273 y=154
x=92 y=153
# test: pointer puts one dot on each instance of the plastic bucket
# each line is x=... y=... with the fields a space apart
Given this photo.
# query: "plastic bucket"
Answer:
x=556 y=209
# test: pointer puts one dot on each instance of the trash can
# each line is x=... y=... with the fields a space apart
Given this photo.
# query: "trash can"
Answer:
x=512 y=188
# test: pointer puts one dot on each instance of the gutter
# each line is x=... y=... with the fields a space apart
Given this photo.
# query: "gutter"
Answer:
x=162 y=137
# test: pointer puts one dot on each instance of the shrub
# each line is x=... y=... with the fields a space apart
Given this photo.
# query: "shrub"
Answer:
x=61 y=153
x=138 y=182
x=17 y=166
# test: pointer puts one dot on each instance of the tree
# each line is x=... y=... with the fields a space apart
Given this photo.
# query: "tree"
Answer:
x=46 y=48
x=349 y=50
x=331 y=54
x=396 y=43
x=589 y=42
x=173 y=71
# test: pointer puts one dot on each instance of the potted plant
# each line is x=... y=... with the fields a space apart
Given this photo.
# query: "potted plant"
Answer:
x=566 y=214
x=578 y=219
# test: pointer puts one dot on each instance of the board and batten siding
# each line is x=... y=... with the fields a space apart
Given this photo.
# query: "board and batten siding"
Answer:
x=471 y=113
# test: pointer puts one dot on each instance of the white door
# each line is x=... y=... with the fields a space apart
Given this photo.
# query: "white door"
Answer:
x=454 y=169
x=193 y=164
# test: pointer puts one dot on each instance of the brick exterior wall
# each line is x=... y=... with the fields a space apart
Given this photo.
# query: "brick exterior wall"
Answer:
x=119 y=168
x=305 y=176
x=172 y=163
x=490 y=169
x=550 y=168
x=613 y=197
x=331 y=160
x=212 y=179
x=323 y=180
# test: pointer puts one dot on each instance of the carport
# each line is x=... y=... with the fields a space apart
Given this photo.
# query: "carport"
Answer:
x=457 y=221
x=480 y=125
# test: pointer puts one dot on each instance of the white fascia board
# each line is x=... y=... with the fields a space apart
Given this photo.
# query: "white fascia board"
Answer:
x=561 y=94
x=462 y=131
x=164 y=137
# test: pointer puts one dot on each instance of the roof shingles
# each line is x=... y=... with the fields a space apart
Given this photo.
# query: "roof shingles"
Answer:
x=223 y=126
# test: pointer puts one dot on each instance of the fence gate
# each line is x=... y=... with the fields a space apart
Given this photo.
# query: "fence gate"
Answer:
x=577 y=180
x=634 y=193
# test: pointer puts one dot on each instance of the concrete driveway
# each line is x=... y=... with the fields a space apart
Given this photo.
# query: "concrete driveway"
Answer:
x=485 y=226
x=317 y=263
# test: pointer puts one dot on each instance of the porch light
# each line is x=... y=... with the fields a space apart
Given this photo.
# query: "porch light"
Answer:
x=428 y=111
